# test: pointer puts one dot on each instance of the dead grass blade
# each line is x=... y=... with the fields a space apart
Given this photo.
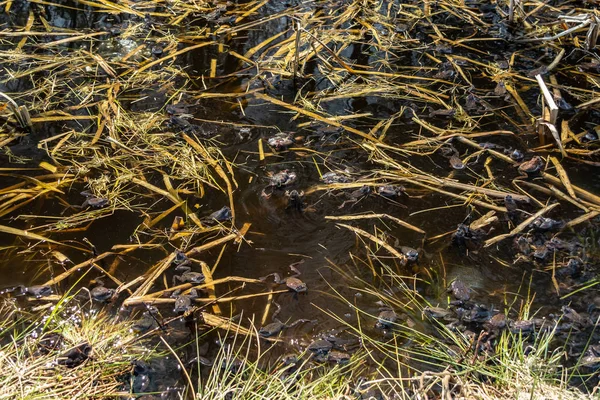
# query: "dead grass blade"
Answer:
x=519 y=228
x=376 y=216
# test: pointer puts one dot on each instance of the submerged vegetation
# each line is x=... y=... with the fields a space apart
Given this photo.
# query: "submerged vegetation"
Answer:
x=325 y=199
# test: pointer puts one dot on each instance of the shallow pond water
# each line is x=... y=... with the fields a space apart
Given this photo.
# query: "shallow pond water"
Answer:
x=333 y=261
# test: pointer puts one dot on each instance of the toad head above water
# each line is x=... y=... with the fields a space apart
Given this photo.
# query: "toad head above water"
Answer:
x=188 y=276
x=37 y=290
x=101 y=293
x=295 y=199
x=93 y=201
x=386 y=319
x=282 y=178
x=336 y=177
x=411 y=254
x=278 y=180
x=277 y=326
x=292 y=282
x=391 y=191
x=183 y=303
x=221 y=215
x=281 y=141
x=532 y=167
x=356 y=195
x=459 y=290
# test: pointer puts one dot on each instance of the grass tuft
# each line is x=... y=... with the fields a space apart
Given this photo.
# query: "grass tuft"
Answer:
x=33 y=361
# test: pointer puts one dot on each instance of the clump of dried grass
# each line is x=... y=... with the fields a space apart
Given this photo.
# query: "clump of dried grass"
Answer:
x=31 y=370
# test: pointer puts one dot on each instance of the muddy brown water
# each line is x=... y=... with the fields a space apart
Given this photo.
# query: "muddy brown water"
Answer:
x=280 y=236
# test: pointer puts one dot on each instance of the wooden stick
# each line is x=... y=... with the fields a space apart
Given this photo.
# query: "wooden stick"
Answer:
x=488 y=192
x=316 y=116
x=584 y=194
x=153 y=274
x=212 y=244
x=556 y=60
x=159 y=268
x=367 y=216
x=210 y=287
x=563 y=196
x=555 y=135
x=583 y=218
x=548 y=99
x=401 y=257
x=564 y=178
x=466 y=199
x=296 y=51
x=519 y=227
x=592 y=35
x=76 y=268
x=129 y=284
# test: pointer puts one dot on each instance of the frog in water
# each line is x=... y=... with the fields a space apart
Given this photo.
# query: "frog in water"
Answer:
x=282 y=178
x=439 y=313
x=149 y=318
x=475 y=313
x=292 y=282
x=466 y=238
x=336 y=177
x=183 y=125
x=532 y=167
x=93 y=201
x=515 y=155
x=391 y=191
x=411 y=254
x=281 y=141
x=278 y=181
x=101 y=293
x=277 y=326
x=456 y=163
x=75 y=356
x=357 y=195
x=183 y=303
x=181 y=259
x=321 y=350
x=386 y=319
x=341 y=343
x=338 y=357
x=295 y=201
x=37 y=291
x=187 y=276
x=575 y=318
x=320 y=347
x=510 y=204
x=222 y=215
x=496 y=322
x=459 y=290
x=495 y=325
x=178 y=109
x=544 y=224
x=452 y=155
